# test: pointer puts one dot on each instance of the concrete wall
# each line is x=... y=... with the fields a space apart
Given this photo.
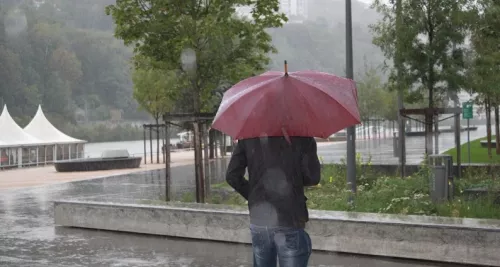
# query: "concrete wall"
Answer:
x=468 y=241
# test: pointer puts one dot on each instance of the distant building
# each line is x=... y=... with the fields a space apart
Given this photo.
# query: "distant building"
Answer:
x=244 y=11
x=116 y=115
x=294 y=9
x=38 y=3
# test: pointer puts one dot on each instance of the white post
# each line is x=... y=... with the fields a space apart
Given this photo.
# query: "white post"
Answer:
x=69 y=151
x=36 y=156
x=45 y=155
x=54 y=157
x=19 y=157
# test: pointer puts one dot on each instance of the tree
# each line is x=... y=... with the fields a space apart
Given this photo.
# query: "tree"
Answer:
x=486 y=63
x=154 y=90
x=205 y=40
x=373 y=96
x=10 y=75
x=224 y=46
x=432 y=35
x=67 y=64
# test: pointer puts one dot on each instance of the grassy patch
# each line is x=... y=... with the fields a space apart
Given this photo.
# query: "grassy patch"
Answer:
x=221 y=186
x=478 y=153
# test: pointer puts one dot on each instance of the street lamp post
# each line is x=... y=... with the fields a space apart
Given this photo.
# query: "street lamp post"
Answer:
x=351 y=131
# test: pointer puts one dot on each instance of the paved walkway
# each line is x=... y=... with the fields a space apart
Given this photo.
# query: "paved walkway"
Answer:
x=36 y=176
x=381 y=150
x=28 y=237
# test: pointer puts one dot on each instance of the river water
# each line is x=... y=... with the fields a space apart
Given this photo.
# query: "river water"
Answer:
x=134 y=147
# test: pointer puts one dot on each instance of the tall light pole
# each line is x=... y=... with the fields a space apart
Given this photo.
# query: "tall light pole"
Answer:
x=351 y=131
x=398 y=63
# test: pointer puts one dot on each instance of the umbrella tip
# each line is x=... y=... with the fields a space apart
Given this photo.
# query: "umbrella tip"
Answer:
x=286 y=68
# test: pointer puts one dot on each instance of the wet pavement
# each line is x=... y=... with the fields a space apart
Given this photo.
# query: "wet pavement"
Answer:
x=381 y=150
x=28 y=236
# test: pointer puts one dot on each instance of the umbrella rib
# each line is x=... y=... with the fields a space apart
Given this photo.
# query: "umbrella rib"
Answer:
x=248 y=90
x=307 y=103
x=248 y=117
x=300 y=79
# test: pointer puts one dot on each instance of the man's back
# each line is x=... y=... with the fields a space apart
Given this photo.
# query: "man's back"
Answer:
x=278 y=171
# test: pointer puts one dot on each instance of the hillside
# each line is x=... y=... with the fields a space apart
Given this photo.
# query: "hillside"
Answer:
x=65 y=57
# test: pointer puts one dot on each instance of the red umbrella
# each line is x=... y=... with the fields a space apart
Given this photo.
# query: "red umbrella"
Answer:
x=303 y=103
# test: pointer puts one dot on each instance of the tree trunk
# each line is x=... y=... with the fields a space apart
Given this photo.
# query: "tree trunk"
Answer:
x=206 y=164
x=428 y=134
x=488 y=125
x=216 y=143
x=197 y=139
x=200 y=187
x=223 y=145
x=211 y=143
x=157 y=142
x=168 y=173
x=497 y=129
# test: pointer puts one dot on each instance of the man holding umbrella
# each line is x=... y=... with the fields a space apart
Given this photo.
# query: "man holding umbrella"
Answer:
x=274 y=117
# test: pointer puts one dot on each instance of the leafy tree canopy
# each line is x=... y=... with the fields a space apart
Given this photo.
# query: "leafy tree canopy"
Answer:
x=432 y=36
x=154 y=89
x=206 y=40
x=486 y=55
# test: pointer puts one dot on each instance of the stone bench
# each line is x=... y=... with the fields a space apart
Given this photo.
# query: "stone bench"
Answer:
x=466 y=241
x=484 y=143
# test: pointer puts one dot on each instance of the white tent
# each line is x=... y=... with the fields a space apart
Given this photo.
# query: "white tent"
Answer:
x=65 y=147
x=21 y=147
x=11 y=135
x=41 y=128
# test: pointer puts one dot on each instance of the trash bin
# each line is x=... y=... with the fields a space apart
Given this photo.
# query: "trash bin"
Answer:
x=441 y=177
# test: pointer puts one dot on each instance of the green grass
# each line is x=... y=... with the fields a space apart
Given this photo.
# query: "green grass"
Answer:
x=478 y=153
x=221 y=185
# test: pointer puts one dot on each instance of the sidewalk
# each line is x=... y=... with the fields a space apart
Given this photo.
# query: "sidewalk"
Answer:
x=37 y=176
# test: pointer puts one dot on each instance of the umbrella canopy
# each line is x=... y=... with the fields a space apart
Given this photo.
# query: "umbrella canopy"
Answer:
x=304 y=103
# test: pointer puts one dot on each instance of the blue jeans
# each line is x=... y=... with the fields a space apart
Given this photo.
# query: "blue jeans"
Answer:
x=291 y=246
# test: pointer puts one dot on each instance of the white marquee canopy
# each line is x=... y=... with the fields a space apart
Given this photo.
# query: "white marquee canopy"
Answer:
x=11 y=135
x=41 y=128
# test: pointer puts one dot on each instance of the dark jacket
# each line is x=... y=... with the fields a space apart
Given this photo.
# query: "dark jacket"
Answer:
x=278 y=171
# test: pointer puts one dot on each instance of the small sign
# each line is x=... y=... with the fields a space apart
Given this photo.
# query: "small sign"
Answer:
x=467 y=110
